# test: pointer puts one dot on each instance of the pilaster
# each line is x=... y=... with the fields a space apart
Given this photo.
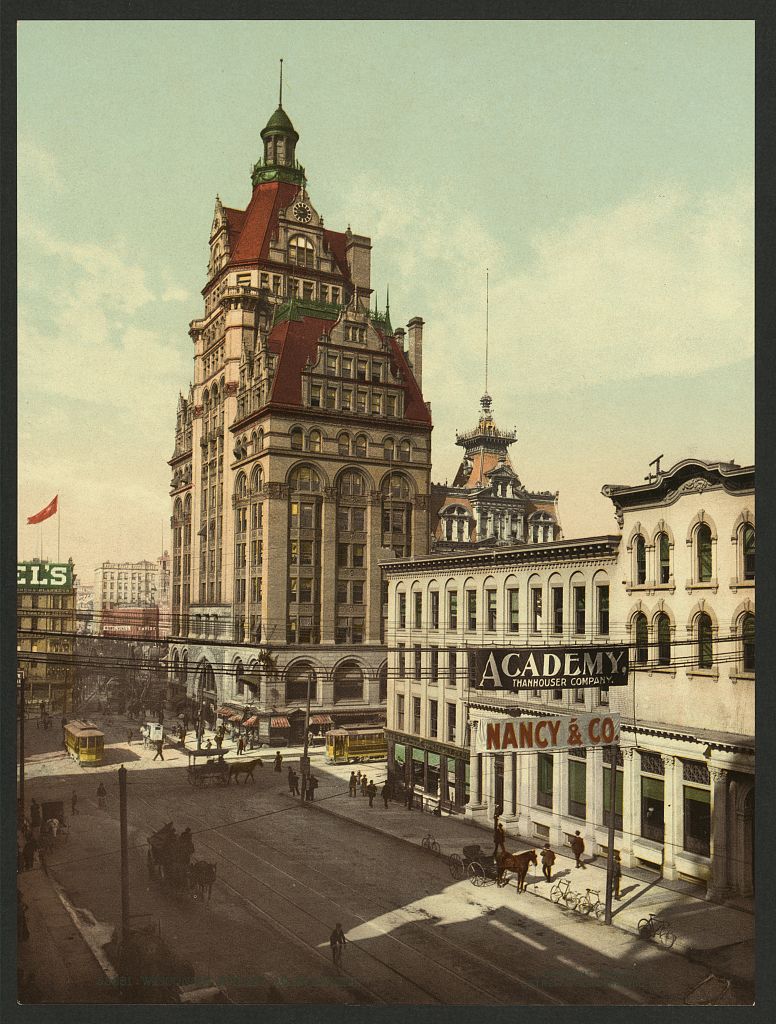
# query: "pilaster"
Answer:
x=719 y=886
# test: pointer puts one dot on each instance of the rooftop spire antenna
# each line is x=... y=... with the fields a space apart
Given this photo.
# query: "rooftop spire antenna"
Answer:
x=280 y=98
x=487 y=296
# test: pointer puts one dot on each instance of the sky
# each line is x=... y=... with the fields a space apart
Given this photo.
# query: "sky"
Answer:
x=602 y=172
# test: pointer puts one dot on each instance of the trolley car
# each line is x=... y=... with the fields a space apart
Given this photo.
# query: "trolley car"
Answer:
x=84 y=742
x=349 y=746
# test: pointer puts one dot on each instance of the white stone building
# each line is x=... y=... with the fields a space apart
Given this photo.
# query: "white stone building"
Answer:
x=678 y=588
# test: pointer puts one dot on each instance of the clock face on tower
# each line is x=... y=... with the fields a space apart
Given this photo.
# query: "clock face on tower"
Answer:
x=303 y=213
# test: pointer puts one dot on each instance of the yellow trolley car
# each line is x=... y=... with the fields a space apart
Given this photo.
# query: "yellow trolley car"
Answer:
x=84 y=742
x=348 y=746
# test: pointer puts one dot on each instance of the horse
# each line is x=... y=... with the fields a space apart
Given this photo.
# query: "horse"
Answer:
x=202 y=874
x=517 y=862
x=237 y=768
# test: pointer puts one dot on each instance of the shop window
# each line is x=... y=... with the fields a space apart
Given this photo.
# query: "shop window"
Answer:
x=432 y=772
x=577 y=787
x=652 y=808
x=544 y=780
x=697 y=820
x=617 y=792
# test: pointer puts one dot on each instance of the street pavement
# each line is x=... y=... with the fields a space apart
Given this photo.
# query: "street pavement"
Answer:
x=288 y=872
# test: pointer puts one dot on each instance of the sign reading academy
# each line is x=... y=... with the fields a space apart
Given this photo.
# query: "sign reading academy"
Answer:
x=548 y=668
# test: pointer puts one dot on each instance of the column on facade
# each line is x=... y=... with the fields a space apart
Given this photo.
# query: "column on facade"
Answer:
x=509 y=773
x=374 y=590
x=526 y=788
x=559 y=795
x=631 y=803
x=672 y=834
x=328 y=565
x=719 y=885
x=595 y=785
x=467 y=529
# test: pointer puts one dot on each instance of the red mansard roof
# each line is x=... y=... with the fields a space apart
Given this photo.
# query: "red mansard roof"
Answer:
x=250 y=230
x=295 y=342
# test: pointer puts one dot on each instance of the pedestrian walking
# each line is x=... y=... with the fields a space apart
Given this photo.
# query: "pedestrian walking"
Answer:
x=352 y=784
x=278 y=763
x=358 y=780
x=35 y=815
x=73 y=803
x=159 y=754
x=28 y=852
x=240 y=746
x=616 y=874
x=129 y=737
x=499 y=837
x=548 y=859
x=337 y=942
x=363 y=784
x=219 y=741
x=101 y=794
x=290 y=779
x=578 y=848
x=371 y=792
x=312 y=785
x=385 y=793
x=294 y=783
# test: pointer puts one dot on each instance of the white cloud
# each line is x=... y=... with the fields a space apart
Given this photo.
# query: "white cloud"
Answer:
x=175 y=294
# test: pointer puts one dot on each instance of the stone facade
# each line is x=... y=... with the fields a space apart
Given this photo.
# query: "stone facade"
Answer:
x=45 y=658
x=302 y=458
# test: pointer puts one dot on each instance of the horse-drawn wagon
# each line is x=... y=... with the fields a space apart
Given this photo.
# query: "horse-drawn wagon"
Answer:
x=213 y=770
x=168 y=858
x=482 y=868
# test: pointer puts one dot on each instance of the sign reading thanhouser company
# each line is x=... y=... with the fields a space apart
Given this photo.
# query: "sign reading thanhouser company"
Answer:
x=548 y=668
x=552 y=732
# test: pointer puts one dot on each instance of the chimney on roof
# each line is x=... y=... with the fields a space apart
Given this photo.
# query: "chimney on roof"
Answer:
x=358 y=251
x=399 y=335
x=415 y=354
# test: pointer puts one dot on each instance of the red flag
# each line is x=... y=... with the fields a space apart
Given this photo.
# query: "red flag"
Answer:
x=45 y=513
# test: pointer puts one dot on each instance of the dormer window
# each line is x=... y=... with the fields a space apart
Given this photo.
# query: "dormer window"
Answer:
x=301 y=251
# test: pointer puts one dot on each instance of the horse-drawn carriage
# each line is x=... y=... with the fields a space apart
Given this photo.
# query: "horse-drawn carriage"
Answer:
x=482 y=867
x=213 y=770
x=169 y=856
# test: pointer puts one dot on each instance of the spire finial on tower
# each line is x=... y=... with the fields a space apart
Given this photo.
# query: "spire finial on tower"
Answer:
x=487 y=277
x=280 y=98
x=387 y=301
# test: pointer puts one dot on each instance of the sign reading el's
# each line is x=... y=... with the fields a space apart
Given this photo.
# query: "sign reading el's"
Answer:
x=542 y=668
x=45 y=575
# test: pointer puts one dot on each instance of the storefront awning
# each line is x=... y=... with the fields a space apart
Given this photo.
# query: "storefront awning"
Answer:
x=224 y=712
x=321 y=720
x=280 y=722
x=250 y=722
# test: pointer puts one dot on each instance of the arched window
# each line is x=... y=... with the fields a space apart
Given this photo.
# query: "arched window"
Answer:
x=641 y=560
x=296 y=681
x=705 y=645
x=259 y=446
x=352 y=484
x=403 y=451
x=663 y=550
x=348 y=681
x=747 y=642
x=239 y=686
x=301 y=251
x=747 y=546
x=359 y=447
x=703 y=552
x=241 y=487
x=388 y=449
x=396 y=485
x=642 y=639
x=257 y=479
x=382 y=683
x=304 y=478
x=397 y=514
x=343 y=444
x=314 y=441
x=663 y=639
x=297 y=438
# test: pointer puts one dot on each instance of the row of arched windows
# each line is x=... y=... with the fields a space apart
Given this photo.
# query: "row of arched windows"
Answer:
x=347 y=444
x=701 y=654
x=702 y=543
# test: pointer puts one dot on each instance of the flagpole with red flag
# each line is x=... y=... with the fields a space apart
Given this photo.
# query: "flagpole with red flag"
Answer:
x=40 y=517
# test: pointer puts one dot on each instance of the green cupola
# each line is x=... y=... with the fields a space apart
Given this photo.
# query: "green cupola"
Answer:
x=279 y=161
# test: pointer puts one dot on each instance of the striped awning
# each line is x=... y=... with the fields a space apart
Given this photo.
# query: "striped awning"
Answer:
x=224 y=713
x=280 y=722
x=321 y=720
x=249 y=722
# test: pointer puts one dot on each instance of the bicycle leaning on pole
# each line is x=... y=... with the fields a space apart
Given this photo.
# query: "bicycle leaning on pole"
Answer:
x=653 y=927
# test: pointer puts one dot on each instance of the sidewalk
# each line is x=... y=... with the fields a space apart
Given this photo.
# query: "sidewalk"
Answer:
x=56 y=958
x=708 y=933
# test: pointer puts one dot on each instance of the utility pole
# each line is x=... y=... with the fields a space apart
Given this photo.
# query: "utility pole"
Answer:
x=304 y=762
x=614 y=750
x=124 y=857
x=22 y=714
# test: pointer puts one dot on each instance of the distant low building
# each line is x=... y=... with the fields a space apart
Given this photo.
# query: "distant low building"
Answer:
x=133 y=585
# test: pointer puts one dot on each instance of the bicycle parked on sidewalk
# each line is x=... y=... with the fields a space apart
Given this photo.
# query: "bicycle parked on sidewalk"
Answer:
x=429 y=843
x=587 y=904
x=561 y=892
x=653 y=927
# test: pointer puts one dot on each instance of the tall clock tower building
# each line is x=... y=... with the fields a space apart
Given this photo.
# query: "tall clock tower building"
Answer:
x=301 y=460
